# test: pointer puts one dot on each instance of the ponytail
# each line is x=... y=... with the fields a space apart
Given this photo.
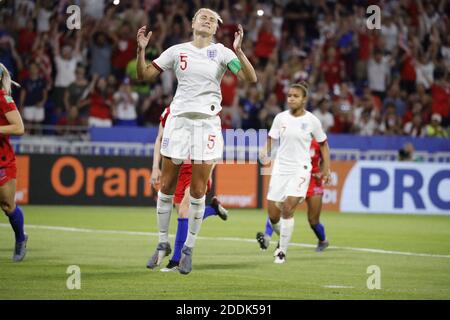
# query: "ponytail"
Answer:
x=5 y=80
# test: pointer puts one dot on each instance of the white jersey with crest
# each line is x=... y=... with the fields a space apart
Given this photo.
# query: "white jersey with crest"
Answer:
x=295 y=134
x=199 y=73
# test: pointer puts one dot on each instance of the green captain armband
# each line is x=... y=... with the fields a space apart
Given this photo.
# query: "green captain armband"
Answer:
x=234 y=66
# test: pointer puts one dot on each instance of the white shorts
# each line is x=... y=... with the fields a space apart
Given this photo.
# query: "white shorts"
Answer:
x=33 y=114
x=192 y=136
x=289 y=185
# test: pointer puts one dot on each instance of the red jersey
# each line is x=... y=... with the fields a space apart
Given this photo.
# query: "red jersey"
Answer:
x=316 y=156
x=7 y=157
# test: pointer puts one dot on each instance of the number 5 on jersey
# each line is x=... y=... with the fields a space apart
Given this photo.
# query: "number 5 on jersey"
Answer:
x=183 y=61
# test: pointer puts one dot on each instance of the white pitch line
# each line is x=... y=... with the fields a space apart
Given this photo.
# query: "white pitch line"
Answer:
x=140 y=233
x=332 y=286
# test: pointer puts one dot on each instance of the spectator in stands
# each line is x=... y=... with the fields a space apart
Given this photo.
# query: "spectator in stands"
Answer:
x=390 y=124
x=8 y=54
x=332 y=69
x=100 y=114
x=266 y=41
x=124 y=105
x=424 y=71
x=434 y=129
x=269 y=111
x=406 y=153
x=66 y=60
x=33 y=97
x=76 y=96
x=367 y=126
x=249 y=108
x=124 y=49
x=415 y=127
x=326 y=43
x=324 y=115
x=101 y=52
x=440 y=92
x=378 y=70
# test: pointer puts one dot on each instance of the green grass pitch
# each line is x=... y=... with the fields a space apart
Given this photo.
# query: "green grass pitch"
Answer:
x=111 y=246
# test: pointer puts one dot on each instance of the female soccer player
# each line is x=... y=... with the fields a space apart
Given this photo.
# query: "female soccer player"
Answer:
x=181 y=200
x=291 y=172
x=10 y=124
x=193 y=129
x=314 y=204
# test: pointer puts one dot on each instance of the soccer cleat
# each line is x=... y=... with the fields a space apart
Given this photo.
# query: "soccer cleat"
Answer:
x=322 y=245
x=162 y=250
x=20 y=250
x=221 y=211
x=186 y=260
x=263 y=241
x=280 y=258
x=172 y=266
x=277 y=250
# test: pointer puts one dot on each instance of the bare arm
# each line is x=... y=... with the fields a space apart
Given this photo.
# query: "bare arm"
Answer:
x=144 y=71
x=15 y=126
x=325 y=170
x=264 y=152
x=247 y=73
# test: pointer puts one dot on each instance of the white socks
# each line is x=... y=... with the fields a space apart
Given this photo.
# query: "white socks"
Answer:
x=276 y=227
x=164 y=210
x=286 y=230
x=196 y=212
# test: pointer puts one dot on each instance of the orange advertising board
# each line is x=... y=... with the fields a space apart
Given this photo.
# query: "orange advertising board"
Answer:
x=23 y=179
x=237 y=185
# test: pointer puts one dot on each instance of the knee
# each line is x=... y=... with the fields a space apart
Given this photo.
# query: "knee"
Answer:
x=197 y=192
x=7 y=207
x=168 y=186
x=287 y=211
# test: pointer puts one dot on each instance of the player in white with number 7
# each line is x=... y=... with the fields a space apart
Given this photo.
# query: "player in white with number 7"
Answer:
x=193 y=129
x=295 y=128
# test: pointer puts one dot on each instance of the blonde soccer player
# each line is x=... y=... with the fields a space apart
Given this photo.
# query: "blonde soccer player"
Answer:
x=295 y=129
x=10 y=124
x=193 y=128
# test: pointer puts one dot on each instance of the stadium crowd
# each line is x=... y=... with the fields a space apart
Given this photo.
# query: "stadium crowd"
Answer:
x=388 y=81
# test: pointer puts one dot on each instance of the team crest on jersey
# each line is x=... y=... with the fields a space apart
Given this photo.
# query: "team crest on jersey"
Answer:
x=304 y=126
x=165 y=143
x=211 y=53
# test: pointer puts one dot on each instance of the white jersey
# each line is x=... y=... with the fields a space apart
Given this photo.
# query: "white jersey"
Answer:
x=295 y=134
x=199 y=73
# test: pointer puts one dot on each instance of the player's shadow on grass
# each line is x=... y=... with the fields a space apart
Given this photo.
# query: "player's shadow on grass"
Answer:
x=223 y=266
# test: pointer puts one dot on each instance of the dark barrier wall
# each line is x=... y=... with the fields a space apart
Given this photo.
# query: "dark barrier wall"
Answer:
x=90 y=180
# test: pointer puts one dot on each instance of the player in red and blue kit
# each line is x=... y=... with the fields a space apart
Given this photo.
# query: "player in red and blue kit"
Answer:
x=314 y=204
x=10 y=124
x=181 y=202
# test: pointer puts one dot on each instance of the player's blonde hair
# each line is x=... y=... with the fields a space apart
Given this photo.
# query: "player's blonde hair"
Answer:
x=5 y=80
x=215 y=14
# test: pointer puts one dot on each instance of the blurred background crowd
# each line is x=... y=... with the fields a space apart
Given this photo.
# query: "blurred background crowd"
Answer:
x=388 y=81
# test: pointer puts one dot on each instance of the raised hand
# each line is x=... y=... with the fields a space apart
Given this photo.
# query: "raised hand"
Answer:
x=142 y=39
x=238 y=36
